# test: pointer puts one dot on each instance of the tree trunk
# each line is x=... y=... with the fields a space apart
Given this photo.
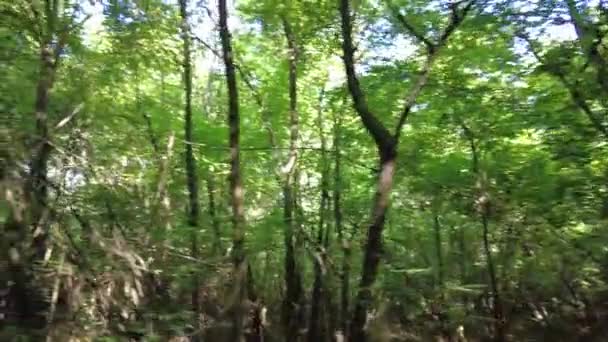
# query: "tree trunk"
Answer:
x=33 y=305
x=215 y=223
x=37 y=185
x=236 y=187
x=191 y=171
x=499 y=333
x=293 y=296
x=342 y=240
x=483 y=206
x=387 y=152
x=317 y=313
x=438 y=250
x=373 y=248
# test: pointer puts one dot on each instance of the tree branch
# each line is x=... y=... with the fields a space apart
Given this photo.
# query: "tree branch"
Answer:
x=382 y=137
x=577 y=97
x=430 y=46
x=456 y=18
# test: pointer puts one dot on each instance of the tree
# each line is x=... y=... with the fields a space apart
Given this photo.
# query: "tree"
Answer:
x=236 y=187
x=493 y=161
x=191 y=170
x=386 y=144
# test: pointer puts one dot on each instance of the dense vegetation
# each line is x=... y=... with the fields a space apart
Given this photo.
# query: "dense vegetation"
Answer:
x=304 y=170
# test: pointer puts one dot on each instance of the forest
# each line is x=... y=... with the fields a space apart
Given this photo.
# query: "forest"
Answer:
x=303 y=170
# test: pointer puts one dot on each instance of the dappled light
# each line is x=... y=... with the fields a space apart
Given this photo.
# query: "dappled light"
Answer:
x=303 y=170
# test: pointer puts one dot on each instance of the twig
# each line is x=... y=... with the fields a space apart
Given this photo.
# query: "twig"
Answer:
x=68 y=118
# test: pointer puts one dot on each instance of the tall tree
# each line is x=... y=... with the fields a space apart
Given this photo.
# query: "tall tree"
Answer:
x=386 y=143
x=483 y=204
x=338 y=224
x=191 y=170
x=53 y=35
x=236 y=186
x=318 y=313
x=51 y=25
x=293 y=295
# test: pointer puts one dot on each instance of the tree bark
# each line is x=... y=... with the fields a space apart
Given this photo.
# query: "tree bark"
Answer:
x=438 y=249
x=215 y=223
x=342 y=240
x=236 y=187
x=293 y=297
x=191 y=170
x=483 y=206
x=31 y=306
x=387 y=151
x=317 y=313
x=37 y=185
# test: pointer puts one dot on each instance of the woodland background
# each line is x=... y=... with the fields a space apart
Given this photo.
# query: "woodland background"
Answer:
x=303 y=170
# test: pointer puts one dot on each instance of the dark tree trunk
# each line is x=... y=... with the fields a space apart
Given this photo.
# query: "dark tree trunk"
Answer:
x=236 y=187
x=373 y=248
x=462 y=260
x=387 y=150
x=293 y=297
x=33 y=305
x=191 y=171
x=215 y=223
x=343 y=313
x=483 y=206
x=438 y=250
x=37 y=184
x=318 y=317
x=499 y=324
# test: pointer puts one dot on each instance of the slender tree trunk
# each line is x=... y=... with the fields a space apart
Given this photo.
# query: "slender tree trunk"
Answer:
x=462 y=261
x=499 y=324
x=34 y=311
x=191 y=170
x=483 y=205
x=317 y=296
x=343 y=313
x=37 y=184
x=215 y=223
x=438 y=250
x=148 y=120
x=373 y=248
x=32 y=306
x=317 y=317
x=236 y=187
x=54 y=297
x=387 y=151
x=293 y=297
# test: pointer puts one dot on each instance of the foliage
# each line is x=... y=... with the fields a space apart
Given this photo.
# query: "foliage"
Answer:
x=513 y=117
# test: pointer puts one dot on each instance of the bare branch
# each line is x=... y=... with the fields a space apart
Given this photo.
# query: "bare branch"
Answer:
x=430 y=46
x=68 y=118
x=456 y=18
x=377 y=130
